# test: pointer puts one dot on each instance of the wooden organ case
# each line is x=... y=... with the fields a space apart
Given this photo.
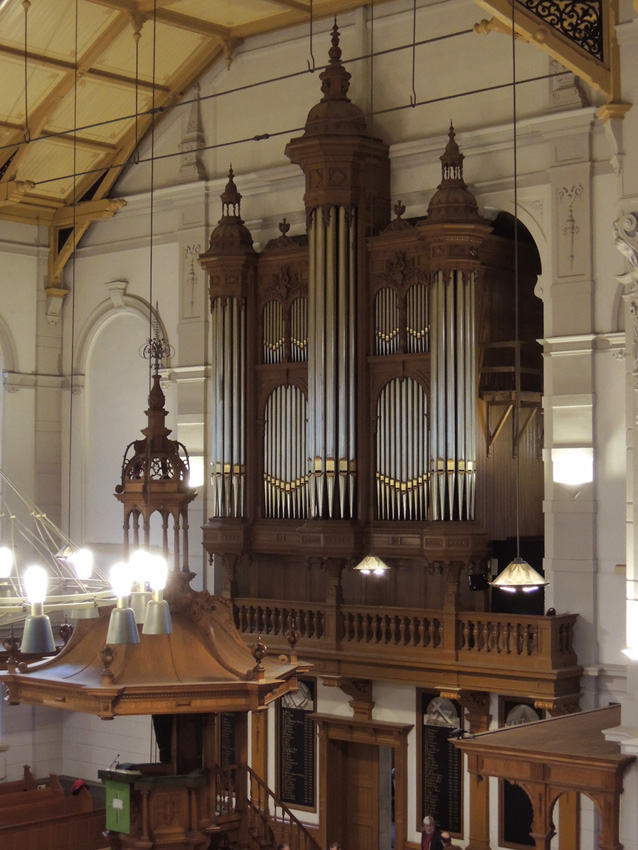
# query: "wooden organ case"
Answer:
x=363 y=380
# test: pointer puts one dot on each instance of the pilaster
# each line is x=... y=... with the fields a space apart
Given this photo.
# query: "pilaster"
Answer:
x=569 y=386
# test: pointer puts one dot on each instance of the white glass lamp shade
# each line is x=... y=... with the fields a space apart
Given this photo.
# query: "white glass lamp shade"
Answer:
x=82 y=561
x=372 y=565
x=35 y=582
x=519 y=575
x=6 y=561
x=121 y=578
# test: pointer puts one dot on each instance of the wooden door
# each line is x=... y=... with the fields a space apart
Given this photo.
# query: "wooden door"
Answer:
x=360 y=797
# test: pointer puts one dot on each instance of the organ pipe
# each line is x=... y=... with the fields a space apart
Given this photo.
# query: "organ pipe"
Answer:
x=228 y=407
x=331 y=362
x=453 y=394
x=401 y=444
x=285 y=454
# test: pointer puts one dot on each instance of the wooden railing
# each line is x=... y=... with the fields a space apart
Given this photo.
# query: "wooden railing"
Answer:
x=268 y=822
x=414 y=637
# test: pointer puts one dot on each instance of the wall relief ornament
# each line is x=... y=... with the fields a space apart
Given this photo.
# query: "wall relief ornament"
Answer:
x=570 y=230
x=626 y=240
x=192 y=282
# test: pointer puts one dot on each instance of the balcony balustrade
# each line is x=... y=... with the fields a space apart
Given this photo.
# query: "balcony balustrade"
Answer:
x=504 y=653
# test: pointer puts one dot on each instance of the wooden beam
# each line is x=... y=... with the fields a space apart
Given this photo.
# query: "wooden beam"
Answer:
x=39 y=117
x=13 y=191
x=81 y=141
x=100 y=210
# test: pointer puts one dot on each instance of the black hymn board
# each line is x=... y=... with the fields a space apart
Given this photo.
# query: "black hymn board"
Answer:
x=441 y=788
x=296 y=735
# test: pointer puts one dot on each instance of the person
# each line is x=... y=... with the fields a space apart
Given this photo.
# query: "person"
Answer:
x=446 y=842
x=335 y=846
x=430 y=836
x=283 y=846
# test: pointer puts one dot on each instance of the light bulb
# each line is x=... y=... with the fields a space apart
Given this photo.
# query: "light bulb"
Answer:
x=158 y=573
x=365 y=572
x=35 y=581
x=82 y=561
x=121 y=579
x=140 y=562
x=6 y=561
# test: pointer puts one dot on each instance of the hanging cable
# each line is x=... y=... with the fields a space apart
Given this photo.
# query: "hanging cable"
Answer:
x=312 y=68
x=152 y=192
x=27 y=134
x=248 y=86
x=73 y=237
x=371 y=64
x=290 y=130
x=517 y=345
x=413 y=95
x=136 y=36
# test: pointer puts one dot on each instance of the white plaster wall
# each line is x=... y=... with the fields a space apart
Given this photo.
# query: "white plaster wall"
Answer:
x=33 y=735
x=92 y=744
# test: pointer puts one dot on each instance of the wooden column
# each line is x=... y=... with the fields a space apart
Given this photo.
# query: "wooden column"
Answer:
x=477 y=706
x=569 y=821
x=542 y=828
x=241 y=755
x=259 y=746
x=479 y=833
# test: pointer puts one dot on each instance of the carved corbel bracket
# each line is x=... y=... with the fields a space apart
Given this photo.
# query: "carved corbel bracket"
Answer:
x=55 y=299
x=359 y=689
x=476 y=704
x=559 y=706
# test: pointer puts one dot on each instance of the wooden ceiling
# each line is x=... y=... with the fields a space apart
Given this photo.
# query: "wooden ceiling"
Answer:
x=88 y=67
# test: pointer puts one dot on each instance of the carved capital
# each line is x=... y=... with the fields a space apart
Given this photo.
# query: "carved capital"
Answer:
x=626 y=240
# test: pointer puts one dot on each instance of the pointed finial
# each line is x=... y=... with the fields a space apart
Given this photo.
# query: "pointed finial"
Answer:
x=230 y=196
x=284 y=227
x=335 y=51
x=156 y=348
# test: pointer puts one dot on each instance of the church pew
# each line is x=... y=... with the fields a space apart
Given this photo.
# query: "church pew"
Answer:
x=27 y=783
x=83 y=831
x=32 y=796
x=58 y=807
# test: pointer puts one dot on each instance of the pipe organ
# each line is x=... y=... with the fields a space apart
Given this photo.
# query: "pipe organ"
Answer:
x=348 y=392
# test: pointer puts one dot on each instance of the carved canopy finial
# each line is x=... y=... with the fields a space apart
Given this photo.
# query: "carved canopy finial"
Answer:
x=452 y=159
x=335 y=80
x=231 y=199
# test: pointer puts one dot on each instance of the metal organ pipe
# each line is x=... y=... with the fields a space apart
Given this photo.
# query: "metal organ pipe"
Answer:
x=402 y=461
x=228 y=411
x=453 y=395
x=285 y=454
x=331 y=361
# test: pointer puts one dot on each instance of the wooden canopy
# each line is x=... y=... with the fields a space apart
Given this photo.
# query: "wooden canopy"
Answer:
x=553 y=757
x=203 y=666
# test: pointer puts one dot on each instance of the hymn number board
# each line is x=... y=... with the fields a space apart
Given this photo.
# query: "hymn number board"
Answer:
x=296 y=736
x=441 y=789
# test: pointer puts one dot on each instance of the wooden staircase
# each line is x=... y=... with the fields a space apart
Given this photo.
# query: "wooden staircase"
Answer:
x=250 y=817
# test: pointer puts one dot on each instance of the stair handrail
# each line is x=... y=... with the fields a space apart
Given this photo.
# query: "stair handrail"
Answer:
x=287 y=826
